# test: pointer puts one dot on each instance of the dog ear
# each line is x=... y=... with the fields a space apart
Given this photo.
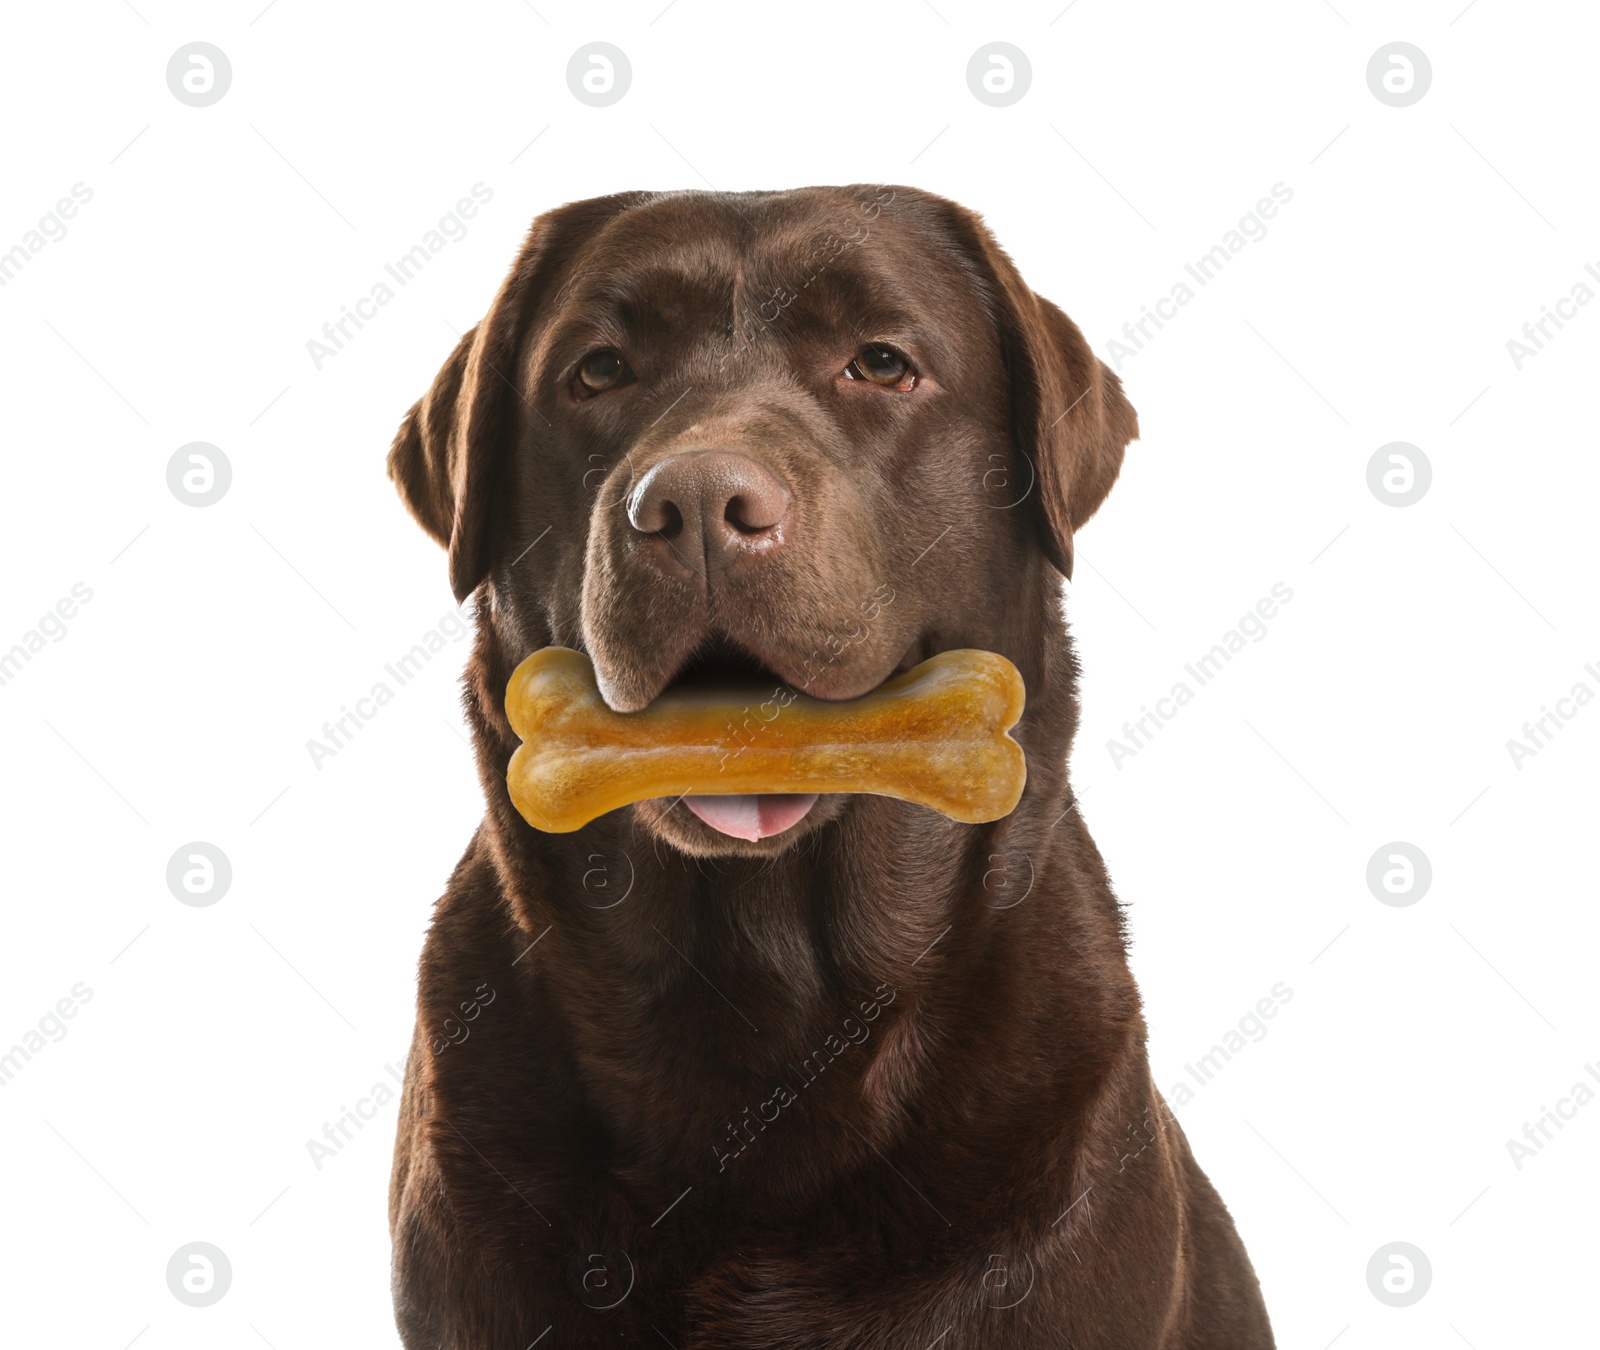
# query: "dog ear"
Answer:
x=1080 y=423
x=1068 y=412
x=446 y=456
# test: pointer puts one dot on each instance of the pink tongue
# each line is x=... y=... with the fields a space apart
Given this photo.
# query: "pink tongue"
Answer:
x=752 y=816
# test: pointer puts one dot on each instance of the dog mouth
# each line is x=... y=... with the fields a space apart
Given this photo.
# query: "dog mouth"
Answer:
x=722 y=668
x=751 y=681
x=719 y=667
x=752 y=816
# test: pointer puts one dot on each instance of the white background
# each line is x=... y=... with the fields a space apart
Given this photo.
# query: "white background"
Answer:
x=177 y=706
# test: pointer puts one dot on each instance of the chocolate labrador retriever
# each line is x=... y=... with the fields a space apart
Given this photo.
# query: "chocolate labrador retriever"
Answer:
x=783 y=1071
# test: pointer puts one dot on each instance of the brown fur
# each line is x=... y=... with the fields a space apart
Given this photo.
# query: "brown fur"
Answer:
x=881 y=1080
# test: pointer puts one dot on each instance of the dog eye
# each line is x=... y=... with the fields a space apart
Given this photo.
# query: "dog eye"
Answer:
x=603 y=370
x=882 y=365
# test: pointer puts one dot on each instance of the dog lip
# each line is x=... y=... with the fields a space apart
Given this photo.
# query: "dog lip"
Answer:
x=721 y=664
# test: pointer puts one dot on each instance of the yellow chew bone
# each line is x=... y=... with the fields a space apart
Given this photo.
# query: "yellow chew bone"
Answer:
x=935 y=735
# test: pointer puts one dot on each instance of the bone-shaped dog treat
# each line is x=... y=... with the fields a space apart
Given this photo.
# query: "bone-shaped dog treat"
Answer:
x=935 y=735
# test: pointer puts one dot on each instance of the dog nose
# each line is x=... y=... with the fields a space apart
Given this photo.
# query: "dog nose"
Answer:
x=710 y=505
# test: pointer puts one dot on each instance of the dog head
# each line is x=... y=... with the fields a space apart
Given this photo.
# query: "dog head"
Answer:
x=808 y=438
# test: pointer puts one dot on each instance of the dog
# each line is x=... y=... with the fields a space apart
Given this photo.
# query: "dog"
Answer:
x=783 y=1072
